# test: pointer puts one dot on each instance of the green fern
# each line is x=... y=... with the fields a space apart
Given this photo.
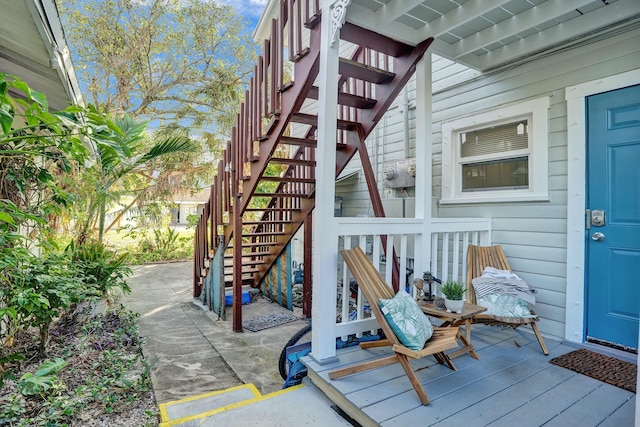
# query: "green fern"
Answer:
x=453 y=290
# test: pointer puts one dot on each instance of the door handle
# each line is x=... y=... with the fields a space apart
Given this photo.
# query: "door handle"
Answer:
x=598 y=237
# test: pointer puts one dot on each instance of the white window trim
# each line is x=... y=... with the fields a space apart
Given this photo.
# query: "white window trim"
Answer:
x=538 y=110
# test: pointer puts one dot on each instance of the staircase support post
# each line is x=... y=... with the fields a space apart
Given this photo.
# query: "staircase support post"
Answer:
x=424 y=175
x=237 y=265
x=325 y=243
x=308 y=266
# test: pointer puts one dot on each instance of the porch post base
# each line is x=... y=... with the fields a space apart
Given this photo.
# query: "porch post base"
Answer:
x=324 y=361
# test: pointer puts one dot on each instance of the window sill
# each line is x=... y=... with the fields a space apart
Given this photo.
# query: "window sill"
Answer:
x=494 y=198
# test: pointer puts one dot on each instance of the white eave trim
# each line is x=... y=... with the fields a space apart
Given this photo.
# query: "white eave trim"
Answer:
x=47 y=20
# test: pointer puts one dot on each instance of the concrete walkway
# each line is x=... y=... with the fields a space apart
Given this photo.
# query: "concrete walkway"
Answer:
x=194 y=355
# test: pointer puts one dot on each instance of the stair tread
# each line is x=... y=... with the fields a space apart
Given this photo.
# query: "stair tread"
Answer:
x=367 y=38
x=249 y=254
x=302 y=142
x=285 y=161
x=287 y=179
x=310 y=119
x=270 y=209
x=254 y=262
x=283 y=195
x=248 y=263
x=346 y=99
x=264 y=233
x=255 y=244
x=357 y=70
x=266 y=222
x=229 y=270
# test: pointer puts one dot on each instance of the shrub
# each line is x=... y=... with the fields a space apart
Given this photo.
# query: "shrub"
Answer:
x=42 y=290
x=100 y=268
x=164 y=245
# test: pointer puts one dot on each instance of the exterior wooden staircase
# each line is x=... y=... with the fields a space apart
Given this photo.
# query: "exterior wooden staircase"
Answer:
x=264 y=189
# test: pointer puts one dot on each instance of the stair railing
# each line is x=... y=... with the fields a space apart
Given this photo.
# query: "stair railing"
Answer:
x=258 y=114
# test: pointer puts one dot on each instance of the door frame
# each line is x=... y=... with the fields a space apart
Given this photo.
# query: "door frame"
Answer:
x=575 y=320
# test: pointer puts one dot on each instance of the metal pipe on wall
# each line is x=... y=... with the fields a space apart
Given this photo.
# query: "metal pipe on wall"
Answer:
x=405 y=118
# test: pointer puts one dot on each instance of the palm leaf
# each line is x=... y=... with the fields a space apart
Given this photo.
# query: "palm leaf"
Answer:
x=168 y=146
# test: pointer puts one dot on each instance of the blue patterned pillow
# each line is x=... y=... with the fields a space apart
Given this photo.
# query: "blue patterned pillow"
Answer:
x=407 y=321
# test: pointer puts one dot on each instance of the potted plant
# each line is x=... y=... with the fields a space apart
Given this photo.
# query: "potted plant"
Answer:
x=453 y=292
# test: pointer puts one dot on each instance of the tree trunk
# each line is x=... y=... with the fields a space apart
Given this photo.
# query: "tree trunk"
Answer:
x=44 y=338
x=101 y=218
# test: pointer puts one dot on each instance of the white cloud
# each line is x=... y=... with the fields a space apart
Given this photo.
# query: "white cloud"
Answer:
x=250 y=9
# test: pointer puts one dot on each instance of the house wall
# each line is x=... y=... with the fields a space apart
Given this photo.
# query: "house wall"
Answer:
x=533 y=234
x=182 y=210
x=187 y=209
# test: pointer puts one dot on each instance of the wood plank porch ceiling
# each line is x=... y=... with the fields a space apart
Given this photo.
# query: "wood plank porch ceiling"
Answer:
x=490 y=34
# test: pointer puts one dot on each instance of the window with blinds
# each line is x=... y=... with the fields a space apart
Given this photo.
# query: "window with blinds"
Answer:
x=495 y=139
x=495 y=157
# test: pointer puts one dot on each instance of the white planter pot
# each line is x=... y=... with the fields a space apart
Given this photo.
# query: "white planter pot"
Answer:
x=454 y=306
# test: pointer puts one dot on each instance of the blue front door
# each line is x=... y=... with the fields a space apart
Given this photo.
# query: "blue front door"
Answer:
x=613 y=217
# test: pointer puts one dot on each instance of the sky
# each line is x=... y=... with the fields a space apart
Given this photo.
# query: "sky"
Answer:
x=250 y=9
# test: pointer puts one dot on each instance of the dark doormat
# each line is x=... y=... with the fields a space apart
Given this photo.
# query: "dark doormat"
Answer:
x=603 y=368
x=268 y=321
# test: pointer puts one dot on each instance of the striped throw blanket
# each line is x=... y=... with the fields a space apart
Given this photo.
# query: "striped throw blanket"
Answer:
x=505 y=282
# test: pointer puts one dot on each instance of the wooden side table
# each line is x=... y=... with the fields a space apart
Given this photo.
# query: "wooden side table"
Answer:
x=456 y=319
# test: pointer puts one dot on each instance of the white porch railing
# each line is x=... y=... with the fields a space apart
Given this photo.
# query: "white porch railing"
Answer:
x=443 y=253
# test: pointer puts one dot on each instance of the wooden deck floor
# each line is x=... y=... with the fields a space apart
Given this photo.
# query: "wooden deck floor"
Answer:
x=513 y=384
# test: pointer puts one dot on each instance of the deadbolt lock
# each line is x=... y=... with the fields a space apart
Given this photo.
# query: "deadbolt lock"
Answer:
x=598 y=218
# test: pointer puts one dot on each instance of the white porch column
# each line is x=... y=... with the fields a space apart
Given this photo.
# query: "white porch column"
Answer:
x=325 y=244
x=424 y=174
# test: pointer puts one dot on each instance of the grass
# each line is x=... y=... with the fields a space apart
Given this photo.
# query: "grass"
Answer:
x=153 y=245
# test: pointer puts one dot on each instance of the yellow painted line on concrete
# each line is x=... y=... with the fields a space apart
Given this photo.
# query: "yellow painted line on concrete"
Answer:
x=228 y=407
x=164 y=414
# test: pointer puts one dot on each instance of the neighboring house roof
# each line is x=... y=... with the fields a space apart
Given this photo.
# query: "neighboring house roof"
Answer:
x=33 y=47
x=201 y=197
x=486 y=34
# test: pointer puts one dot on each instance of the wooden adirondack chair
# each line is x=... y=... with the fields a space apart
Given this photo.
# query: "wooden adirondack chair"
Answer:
x=480 y=257
x=374 y=288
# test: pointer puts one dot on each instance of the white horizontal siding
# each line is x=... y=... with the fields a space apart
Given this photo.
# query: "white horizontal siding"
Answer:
x=534 y=234
x=446 y=73
x=387 y=142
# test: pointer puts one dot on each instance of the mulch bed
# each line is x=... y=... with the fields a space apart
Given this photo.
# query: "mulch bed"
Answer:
x=603 y=368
